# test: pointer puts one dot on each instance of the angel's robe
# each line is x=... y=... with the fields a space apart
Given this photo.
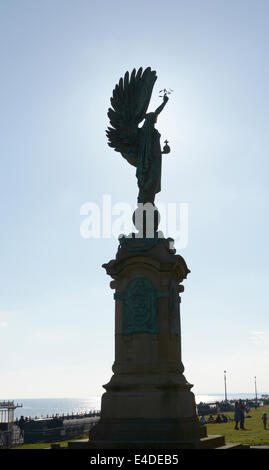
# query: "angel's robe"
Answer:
x=149 y=166
x=156 y=162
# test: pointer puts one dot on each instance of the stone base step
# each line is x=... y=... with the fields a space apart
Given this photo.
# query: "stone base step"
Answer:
x=212 y=441
x=209 y=442
x=235 y=445
x=192 y=444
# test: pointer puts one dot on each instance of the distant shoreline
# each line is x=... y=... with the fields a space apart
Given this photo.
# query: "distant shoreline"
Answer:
x=51 y=406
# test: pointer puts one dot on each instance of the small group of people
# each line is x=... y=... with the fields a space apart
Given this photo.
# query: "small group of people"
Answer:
x=240 y=411
x=239 y=414
x=211 y=420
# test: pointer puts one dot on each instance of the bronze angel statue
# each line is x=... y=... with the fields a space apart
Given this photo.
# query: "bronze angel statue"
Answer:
x=140 y=146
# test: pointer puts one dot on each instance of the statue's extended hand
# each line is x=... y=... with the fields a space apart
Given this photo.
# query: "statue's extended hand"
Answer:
x=160 y=108
x=165 y=98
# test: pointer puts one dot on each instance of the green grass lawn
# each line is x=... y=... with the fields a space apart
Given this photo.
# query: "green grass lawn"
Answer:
x=254 y=433
x=46 y=445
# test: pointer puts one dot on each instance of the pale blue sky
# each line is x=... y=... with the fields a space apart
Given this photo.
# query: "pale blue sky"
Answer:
x=60 y=60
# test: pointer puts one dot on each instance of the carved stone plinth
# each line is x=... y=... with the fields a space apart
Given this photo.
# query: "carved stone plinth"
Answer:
x=148 y=401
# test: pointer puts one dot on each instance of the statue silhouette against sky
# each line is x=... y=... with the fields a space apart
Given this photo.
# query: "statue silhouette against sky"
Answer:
x=140 y=146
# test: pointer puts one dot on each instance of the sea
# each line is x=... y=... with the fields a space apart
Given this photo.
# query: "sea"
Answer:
x=42 y=407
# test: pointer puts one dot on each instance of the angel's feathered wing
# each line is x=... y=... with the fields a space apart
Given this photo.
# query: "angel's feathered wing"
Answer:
x=129 y=102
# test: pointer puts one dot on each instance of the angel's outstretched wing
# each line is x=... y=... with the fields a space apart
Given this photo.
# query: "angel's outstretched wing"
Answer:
x=129 y=102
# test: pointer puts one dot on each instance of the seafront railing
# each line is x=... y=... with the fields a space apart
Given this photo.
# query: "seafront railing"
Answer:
x=46 y=431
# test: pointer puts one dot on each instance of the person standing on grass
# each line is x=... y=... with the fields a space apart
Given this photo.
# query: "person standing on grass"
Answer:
x=264 y=419
x=242 y=414
x=236 y=414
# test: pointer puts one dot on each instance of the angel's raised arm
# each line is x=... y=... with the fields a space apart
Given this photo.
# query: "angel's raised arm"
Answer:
x=160 y=108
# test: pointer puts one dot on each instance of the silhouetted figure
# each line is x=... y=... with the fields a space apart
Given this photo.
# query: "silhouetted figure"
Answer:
x=264 y=419
x=224 y=419
x=21 y=426
x=218 y=419
x=242 y=414
x=140 y=146
x=236 y=414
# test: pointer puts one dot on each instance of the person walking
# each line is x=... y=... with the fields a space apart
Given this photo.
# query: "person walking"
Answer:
x=21 y=426
x=264 y=419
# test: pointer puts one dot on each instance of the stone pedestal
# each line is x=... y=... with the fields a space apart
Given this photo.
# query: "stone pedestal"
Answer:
x=148 y=402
